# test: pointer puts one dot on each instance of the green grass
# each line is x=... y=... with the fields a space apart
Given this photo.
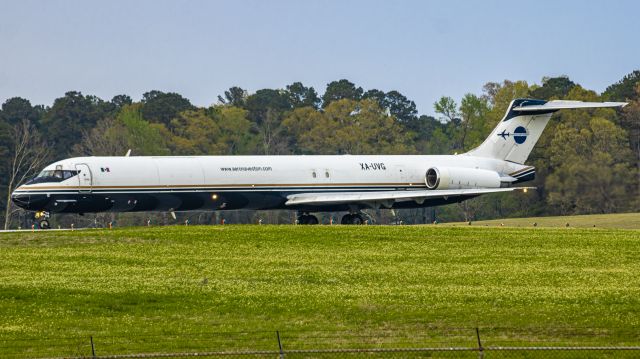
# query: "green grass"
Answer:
x=618 y=220
x=228 y=288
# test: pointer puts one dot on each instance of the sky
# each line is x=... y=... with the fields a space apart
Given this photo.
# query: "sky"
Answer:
x=423 y=49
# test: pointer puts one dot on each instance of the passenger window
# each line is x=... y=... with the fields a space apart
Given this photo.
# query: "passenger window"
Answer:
x=326 y=174
x=313 y=174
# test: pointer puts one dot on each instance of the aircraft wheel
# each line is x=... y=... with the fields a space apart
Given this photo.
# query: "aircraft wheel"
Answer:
x=307 y=219
x=357 y=219
x=44 y=224
x=352 y=219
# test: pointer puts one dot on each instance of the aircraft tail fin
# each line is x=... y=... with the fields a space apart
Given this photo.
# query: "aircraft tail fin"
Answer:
x=516 y=134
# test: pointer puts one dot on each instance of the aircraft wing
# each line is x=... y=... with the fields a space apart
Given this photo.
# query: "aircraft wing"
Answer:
x=387 y=198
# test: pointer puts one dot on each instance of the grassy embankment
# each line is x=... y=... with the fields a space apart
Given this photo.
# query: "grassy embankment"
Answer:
x=176 y=288
x=619 y=220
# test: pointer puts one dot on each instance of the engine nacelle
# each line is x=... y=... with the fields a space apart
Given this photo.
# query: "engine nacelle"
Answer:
x=460 y=178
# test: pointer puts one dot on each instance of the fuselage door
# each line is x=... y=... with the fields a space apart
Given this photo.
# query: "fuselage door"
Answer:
x=85 y=180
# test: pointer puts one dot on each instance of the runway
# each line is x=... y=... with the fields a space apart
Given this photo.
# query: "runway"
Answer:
x=43 y=230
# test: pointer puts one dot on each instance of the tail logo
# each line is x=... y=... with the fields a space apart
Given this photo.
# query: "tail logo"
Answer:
x=520 y=135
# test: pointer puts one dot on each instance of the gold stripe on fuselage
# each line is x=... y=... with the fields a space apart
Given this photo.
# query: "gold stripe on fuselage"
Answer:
x=260 y=185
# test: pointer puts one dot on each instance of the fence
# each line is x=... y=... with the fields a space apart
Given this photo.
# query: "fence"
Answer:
x=431 y=343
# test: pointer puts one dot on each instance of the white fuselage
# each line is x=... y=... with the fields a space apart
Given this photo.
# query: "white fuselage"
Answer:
x=324 y=172
x=231 y=182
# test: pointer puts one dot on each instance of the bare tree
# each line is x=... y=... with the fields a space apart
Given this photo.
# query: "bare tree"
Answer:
x=29 y=154
x=107 y=138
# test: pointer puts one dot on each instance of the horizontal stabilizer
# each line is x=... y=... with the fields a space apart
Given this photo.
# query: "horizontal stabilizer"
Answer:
x=562 y=104
x=386 y=198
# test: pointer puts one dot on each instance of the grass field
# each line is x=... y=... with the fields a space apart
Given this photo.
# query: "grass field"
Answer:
x=231 y=287
x=618 y=220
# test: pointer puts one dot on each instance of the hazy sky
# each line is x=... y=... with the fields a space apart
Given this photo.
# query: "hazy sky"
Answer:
x=424 y=49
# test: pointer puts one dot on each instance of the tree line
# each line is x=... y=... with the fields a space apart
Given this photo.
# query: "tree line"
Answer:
x=588 y=161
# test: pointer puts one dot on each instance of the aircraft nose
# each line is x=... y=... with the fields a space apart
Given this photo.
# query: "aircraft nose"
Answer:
x=20 y=199
x=29 y=201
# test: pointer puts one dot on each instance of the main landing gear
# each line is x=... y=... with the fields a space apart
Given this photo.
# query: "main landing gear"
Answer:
x=349 y=218
x=353 y=218
x=306 y=218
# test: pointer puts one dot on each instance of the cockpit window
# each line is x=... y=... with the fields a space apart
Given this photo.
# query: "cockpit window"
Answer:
x=57 y=175
x=61 y=174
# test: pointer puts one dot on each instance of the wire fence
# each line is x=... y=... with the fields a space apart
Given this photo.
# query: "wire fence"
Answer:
x=431 y=343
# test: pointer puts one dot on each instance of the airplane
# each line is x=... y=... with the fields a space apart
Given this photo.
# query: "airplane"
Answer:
x=306 y=184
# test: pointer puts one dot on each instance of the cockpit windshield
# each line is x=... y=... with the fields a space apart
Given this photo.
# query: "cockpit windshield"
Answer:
x=57 y=175
x=61 y=174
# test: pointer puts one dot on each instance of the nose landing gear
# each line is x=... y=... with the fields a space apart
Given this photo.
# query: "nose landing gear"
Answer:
x=43 y=219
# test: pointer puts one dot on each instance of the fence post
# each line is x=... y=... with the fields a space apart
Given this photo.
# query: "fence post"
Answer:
x=280 y=345
x=93 y=349
x=480 y=348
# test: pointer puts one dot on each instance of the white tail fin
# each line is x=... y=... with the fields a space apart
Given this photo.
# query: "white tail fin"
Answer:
x=516 y=134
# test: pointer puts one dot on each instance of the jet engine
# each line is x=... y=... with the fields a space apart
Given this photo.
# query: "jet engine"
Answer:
x=460 y=178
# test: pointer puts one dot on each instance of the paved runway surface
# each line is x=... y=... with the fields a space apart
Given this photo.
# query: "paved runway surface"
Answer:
x=42 y=230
